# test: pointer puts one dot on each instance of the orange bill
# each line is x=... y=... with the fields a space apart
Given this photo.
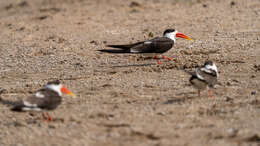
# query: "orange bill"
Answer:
x=181 y=35
x=67 y=91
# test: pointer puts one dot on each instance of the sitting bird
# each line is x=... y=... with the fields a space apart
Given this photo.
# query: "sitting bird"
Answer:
x=47 y=98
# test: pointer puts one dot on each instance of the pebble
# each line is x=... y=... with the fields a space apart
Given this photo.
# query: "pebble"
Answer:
x=253 y=93
x=232 y=132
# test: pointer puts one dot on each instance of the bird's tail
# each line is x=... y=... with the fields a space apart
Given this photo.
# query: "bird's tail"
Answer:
x=124 y=47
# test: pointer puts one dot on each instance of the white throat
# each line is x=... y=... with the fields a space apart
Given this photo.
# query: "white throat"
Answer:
x=171 y=35
x=56 y=88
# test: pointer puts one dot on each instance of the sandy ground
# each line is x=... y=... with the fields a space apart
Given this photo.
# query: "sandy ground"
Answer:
x=126 y=100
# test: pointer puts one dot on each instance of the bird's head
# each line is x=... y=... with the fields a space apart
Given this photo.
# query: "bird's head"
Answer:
x=172 y=33
x=59 y=88
x=210 y=65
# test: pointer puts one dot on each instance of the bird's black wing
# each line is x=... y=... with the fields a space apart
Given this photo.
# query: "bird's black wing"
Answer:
x=43 y=99
x=209 y=75
x=156 y=45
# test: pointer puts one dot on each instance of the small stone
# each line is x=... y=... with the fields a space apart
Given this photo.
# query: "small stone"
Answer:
x=161 y=113
x=134 y=4
x=134 y=11
x=253 y=93
x=150 y=34
x=42 y=17
x=23 y=4
x=9 y=6
x=232 y=3
x=253 y=138
x=228 y=83
x=51 y=126
x=94 y=42
x=232 y=132
x=228 y=99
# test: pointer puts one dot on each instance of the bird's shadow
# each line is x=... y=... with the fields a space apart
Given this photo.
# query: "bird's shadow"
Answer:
x=134 y=65
x=180 y=100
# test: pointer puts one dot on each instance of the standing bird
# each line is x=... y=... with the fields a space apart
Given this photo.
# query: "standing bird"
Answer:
x=47 y=98
x=205 y=77
x=154 y=46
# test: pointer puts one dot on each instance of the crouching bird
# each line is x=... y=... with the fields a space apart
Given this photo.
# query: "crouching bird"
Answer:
x=152 y=47
x=204 y=77
x=47 y=98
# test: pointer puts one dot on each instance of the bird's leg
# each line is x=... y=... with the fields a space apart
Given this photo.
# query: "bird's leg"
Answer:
x=199 y=93
x=159 y=62
x=158 y=59
x=44 y=117
x=210 y=93
x=49 y=117
x=166 y=57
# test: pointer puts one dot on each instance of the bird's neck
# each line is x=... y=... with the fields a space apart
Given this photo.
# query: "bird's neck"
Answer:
x=170 y=36
x=55 y=88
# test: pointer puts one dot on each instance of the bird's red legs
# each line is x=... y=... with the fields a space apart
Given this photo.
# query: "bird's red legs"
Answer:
x=165 y=57
x=46 y=118
x=49 y=117
x=158 y=59
x=210 y=93
x=199 y=93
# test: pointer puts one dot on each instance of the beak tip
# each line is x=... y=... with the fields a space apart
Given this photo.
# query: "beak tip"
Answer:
x=73 y=95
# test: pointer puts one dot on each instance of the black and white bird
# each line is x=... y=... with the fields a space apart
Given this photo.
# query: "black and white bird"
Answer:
x=205 y=77
x=152 y=47
x=47 y=98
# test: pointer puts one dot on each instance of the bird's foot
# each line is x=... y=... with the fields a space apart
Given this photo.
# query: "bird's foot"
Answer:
x=166 y=57
x=156 y=57
x=210 y=93
x=44 y=117
x=47 y=118
x=170 y=59
x=159 y=62
x=199 y=93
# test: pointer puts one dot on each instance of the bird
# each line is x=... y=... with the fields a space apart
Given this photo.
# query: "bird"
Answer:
x=152 y=47
x=204 y=77
x=45 y=99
